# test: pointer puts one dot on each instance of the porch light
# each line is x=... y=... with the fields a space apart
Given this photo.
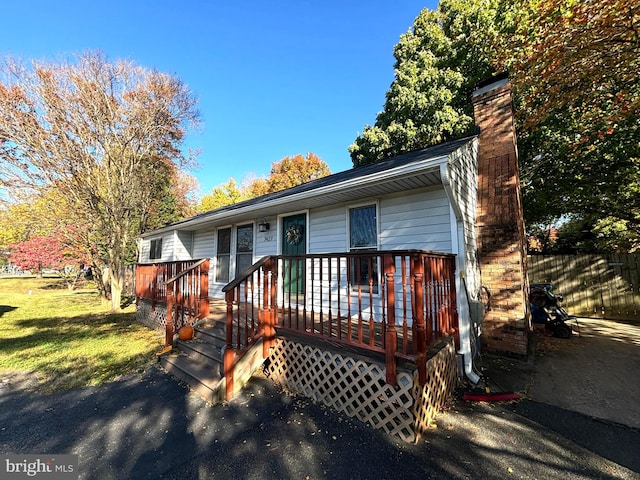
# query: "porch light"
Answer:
x=263 y=225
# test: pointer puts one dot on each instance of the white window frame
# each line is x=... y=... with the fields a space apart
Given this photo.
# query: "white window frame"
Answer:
x=365 y=288
x=154 y=250
x=233 y=249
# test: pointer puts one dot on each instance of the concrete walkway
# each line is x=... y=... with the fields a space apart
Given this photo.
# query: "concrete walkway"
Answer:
x=149 y=426
x=596 y=373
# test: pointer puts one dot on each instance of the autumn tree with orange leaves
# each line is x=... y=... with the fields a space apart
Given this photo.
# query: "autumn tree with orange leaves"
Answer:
x=575 y=66
x=106 y=136
x=286 y=173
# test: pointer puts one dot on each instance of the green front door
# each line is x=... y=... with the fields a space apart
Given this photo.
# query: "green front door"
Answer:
x=294 y=243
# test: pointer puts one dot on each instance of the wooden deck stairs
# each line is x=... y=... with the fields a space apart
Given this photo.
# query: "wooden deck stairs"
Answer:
x=388 y=359
x=199 y=362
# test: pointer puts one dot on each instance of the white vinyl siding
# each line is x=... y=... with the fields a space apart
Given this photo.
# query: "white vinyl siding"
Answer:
x=328 y=230
x=419 y=220
x=167 y=249
x=204 y=244
x=183 y=246
x=267 y=242
x=143 y=254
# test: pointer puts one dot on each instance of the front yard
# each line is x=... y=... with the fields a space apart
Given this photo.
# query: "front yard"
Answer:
x=59 y=339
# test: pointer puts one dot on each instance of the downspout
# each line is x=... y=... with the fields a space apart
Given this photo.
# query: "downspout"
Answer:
x=464 y=314
x=465 y=331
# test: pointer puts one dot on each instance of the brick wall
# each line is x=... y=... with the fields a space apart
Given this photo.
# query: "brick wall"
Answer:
x=499 y=222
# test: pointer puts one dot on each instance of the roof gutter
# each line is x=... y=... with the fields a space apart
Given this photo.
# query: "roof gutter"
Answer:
x=377 y=177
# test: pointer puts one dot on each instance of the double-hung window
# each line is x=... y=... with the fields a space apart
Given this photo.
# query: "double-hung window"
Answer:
x=363 y=237
x=155 y=249
x=223 y=257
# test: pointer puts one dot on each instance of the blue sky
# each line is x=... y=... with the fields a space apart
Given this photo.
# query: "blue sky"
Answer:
x=273 y=78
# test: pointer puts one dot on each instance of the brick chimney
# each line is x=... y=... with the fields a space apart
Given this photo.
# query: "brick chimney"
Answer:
x=500 y=223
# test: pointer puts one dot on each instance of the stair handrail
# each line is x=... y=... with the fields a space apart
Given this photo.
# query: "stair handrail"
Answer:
x=196 y=310
x=265 y=330
x=245 y=274
x=184 y=272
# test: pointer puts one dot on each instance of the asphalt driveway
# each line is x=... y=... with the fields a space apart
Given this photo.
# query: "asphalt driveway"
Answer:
x=150 y=426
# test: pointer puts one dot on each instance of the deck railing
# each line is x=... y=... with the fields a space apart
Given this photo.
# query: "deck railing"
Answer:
x=182 y=286
x=393 y=303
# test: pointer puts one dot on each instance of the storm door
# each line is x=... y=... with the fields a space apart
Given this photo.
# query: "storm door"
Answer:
x=294 y=243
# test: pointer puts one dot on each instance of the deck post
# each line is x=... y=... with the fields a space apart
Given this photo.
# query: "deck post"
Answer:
x=431 y=298
x=154 y=286
x=204 y=290
x=228 y=349
x=268 y=307
x=390 y=334
x=138 y=284
x=263 y=313
x=168 y=339
x=274 y=290
x=420 y=345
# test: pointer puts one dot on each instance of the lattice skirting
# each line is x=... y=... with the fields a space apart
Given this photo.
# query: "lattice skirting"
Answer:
x=433 y=396
x=357 y=387
x=152 y=316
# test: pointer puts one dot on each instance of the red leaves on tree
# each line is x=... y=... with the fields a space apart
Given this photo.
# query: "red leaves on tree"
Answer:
x=39 y=253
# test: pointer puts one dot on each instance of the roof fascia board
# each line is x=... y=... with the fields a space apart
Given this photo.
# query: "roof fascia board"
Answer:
x=430 y=163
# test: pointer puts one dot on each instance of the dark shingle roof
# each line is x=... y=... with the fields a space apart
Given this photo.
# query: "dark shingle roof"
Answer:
x=433 y=152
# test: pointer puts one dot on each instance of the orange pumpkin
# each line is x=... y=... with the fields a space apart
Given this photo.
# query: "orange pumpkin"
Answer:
x=185 y=333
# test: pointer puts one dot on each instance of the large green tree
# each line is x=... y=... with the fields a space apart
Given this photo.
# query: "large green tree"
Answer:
x=438 y=63
x=574 y=66
x=107 y=136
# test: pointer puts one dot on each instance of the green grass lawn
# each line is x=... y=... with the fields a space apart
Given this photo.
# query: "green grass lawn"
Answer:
x=66 y=339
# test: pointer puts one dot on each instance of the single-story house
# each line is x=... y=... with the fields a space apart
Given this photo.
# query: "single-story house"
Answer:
x=391 y=244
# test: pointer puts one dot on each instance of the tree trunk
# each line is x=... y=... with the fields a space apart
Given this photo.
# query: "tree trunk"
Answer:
x=101 y=277
x=116 y=277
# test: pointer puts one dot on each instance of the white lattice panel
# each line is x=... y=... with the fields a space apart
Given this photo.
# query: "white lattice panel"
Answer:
x=152 y=317
x=434 y=395
x=355 y=387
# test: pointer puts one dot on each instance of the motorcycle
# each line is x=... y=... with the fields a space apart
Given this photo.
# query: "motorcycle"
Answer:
x=546 y=309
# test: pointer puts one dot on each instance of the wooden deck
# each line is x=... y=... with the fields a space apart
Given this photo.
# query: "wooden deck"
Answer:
x=346 y=337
